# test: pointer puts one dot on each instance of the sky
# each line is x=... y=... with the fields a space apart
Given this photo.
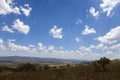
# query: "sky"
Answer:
x=67 y=29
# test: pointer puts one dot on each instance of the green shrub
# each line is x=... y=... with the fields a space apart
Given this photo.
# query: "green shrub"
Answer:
x=5 y=68
x=26 y=67
x=46 y=67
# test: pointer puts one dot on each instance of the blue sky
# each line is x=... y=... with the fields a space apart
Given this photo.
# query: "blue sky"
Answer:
x=70 y=29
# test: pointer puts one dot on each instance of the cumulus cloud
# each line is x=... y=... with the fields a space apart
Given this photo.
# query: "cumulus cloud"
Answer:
x=79 y=21
x=93 y=12
x=108 y=5
x=8 y=6
x=41 y=47
x=32 y=46
x=85 y=53
x=26 y=9
x=85 y=49
x=111 y=37
x=93 y=51
x=88 y=30
x=15 y=47
x=100 y=46
x=6 y=28
x=20 y=26
x=2 y=46
x=56 y=32
x=51 y=49
x=77 y=39
x=116 y=46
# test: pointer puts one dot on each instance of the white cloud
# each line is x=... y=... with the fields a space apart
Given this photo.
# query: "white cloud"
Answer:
x=51 y=48
x=6 y=28
x=92 y=46
x=93 y=12
x=100 y=46
x=79 y=21
x=84 y=53
x=88 y=30
x=111 y=37
x=85 y=49
x=2 y=46
x=32 y=46
x=15 y=47
x=26 y=9
x=41 y=47
x=109 y=5
x=77 y=39
x=6 y=7
x=20 y=26
x=61 y=47
x=56 y=32
x=116 y=46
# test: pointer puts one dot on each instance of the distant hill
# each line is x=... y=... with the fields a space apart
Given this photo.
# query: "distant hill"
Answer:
x=18 y=59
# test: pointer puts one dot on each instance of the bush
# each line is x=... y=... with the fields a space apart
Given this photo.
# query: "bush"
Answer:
x=46 y=67
x=5 y=68
x=26 y=67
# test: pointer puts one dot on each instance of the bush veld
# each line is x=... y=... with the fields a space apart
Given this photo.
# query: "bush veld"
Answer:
x=102 y=69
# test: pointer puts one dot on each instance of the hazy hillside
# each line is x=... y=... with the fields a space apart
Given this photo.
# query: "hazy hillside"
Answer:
x=18 y=59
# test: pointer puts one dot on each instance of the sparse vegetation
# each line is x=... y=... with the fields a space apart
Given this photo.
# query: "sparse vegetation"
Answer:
x=102 y=69
x=26 y=67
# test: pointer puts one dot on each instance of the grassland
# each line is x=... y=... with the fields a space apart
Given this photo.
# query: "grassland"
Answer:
x=29 y=71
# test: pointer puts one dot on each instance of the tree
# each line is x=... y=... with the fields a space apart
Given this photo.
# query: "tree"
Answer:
x=103 y=62
x=97 y=66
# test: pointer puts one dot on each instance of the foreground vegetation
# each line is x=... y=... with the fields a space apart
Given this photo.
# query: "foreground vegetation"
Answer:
x=102 y=69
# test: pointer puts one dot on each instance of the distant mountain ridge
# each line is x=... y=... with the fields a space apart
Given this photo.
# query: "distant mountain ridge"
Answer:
x=19 y=59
